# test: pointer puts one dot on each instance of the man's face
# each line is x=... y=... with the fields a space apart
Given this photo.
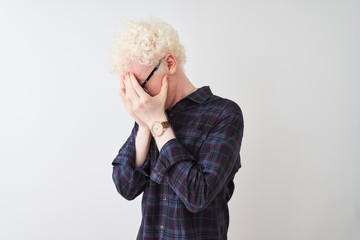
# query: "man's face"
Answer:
x=141 y=72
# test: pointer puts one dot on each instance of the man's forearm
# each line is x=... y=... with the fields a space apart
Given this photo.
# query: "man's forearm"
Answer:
x=166 y=136
x=142 y=144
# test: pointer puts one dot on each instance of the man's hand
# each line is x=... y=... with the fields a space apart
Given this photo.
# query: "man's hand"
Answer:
x=144 y=108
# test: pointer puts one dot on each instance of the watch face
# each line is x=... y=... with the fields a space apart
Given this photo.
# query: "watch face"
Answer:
x=156 y=129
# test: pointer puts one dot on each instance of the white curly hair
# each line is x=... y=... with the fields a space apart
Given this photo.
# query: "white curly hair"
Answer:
x=144 y=42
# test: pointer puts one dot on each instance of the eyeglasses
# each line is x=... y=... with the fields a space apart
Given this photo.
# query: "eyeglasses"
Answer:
x=152 y=72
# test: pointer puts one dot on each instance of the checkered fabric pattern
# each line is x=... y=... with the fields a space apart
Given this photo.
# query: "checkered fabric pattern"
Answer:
x=186 y=185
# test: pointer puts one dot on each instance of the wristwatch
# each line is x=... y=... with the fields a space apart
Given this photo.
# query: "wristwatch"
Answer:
x=158 y=128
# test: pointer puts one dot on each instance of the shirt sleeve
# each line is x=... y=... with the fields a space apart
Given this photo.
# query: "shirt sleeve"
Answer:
x=130 y=180
x=198 y=181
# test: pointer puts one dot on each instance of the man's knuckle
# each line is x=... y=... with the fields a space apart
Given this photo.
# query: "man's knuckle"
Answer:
x=139 y=105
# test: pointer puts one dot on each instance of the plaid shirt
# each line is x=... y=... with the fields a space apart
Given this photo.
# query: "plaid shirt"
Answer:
x=187 y=185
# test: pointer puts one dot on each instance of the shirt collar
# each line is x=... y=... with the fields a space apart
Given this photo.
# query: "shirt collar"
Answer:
x=199 y=96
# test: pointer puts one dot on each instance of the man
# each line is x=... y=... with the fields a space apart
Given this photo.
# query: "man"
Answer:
x=184 y=149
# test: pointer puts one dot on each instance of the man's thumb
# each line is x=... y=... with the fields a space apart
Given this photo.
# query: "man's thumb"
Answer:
x=164 y=86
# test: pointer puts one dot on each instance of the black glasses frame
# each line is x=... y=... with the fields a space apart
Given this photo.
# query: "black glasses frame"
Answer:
x=152 y=72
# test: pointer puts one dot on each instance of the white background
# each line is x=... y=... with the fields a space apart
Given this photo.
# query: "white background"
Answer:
x=292 y=66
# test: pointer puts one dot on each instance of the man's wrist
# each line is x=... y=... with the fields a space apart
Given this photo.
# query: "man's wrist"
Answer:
x=144 y=129
x=158 y=119
x=164 y=138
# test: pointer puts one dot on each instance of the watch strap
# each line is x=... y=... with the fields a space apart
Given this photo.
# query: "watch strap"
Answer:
x=165 y=124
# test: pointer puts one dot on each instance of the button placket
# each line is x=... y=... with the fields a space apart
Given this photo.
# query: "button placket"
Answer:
x=170 y=113
x=166 y=209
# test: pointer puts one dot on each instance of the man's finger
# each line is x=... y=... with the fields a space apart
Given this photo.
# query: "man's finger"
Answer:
x=164 y=87
x=125 y=96
x=122 y=90
x=130 y=91
x=139 y=90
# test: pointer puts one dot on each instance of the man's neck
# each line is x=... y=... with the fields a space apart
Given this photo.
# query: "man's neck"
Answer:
x=183 y=88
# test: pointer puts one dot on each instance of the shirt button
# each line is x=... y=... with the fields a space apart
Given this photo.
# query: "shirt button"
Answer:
x=164 y=198
x=171 y=114
x=161 y=227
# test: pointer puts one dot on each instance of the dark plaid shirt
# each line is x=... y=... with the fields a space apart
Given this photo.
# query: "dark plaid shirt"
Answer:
x=187 y=185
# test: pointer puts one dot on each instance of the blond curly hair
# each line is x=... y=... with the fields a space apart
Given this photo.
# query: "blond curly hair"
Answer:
x=144 y=42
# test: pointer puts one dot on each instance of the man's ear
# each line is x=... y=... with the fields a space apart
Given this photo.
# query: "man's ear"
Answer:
x=171 y=64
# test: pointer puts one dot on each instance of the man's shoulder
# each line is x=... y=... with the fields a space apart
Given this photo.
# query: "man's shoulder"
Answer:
x=222 y=104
